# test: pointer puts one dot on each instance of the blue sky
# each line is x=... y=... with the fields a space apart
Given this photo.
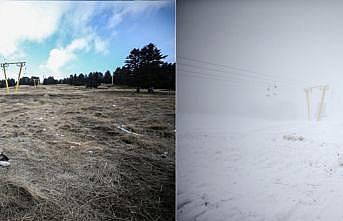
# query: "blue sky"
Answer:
x=63 y=38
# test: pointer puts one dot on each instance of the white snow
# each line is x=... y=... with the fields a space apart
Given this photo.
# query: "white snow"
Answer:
x=248 y=169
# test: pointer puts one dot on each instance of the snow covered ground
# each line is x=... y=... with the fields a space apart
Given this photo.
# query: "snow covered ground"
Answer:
x=249 y=169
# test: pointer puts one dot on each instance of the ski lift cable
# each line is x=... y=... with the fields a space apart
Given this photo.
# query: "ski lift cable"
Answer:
x=218 y=78
x=237 y=79
x=258 y=74
x=241 y=80
x=268 y=79
x=188 y=74
x=232 y=84
x=226 y=72
x=239 y=84
x=236 y=76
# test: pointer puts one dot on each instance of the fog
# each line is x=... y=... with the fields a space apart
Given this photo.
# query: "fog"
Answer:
x=266 y=53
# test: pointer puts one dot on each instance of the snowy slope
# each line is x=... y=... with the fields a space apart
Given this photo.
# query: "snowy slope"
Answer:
x=248 y=169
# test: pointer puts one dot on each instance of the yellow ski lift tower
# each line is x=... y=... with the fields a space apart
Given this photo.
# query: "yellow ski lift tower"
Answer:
x=308 y=91
x=19 y=64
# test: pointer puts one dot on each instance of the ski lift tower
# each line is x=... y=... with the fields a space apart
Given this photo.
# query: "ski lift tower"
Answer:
x=315 y=105
x=19 y=64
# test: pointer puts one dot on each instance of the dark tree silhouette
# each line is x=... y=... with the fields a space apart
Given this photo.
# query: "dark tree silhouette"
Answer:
x=25 y=81
x=151 y=59
x=50 y=80
x=144 y=68
x=34 y=81
x=107 y=77
x=93 y=80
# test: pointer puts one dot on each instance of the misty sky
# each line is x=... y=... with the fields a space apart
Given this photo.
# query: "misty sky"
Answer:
x=62 y=38
x=292 y=44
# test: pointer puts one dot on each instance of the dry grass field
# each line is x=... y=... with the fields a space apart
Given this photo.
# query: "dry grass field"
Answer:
x=87 y=154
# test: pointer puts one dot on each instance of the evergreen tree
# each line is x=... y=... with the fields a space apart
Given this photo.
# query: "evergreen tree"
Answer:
x=93 y=80
x=107 y=77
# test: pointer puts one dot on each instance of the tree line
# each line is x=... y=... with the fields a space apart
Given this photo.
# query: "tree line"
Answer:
x=92 y=80
x=23 y=81
x=143 y=68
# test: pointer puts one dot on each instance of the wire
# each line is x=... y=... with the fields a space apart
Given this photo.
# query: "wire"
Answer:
x=266 y=83
x=255 y=73
x=231 y=74
x=239 y=84
x=228 y=66
x=215 y=79
x=218 y=76
x=221 y=78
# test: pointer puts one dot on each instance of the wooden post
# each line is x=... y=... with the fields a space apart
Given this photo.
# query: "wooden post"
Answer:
x=308 y=104
x=7 y=88
x=17 y=86
x=308 y=92
x=323 y=89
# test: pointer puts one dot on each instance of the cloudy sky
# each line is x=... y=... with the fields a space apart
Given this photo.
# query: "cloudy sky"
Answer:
x=240 y=48
x=62 y=38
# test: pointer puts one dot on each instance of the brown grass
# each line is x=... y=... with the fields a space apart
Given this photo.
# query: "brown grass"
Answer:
x=69 y=161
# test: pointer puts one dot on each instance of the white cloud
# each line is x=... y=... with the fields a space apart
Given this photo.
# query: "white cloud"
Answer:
x=59 y=57
x=130 y=8
x=101 y=46
x=34 y=21
x=78 y=23
x=77 y=44
x=115 y=19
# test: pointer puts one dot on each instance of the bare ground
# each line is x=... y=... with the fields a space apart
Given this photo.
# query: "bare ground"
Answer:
x=71 y=161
